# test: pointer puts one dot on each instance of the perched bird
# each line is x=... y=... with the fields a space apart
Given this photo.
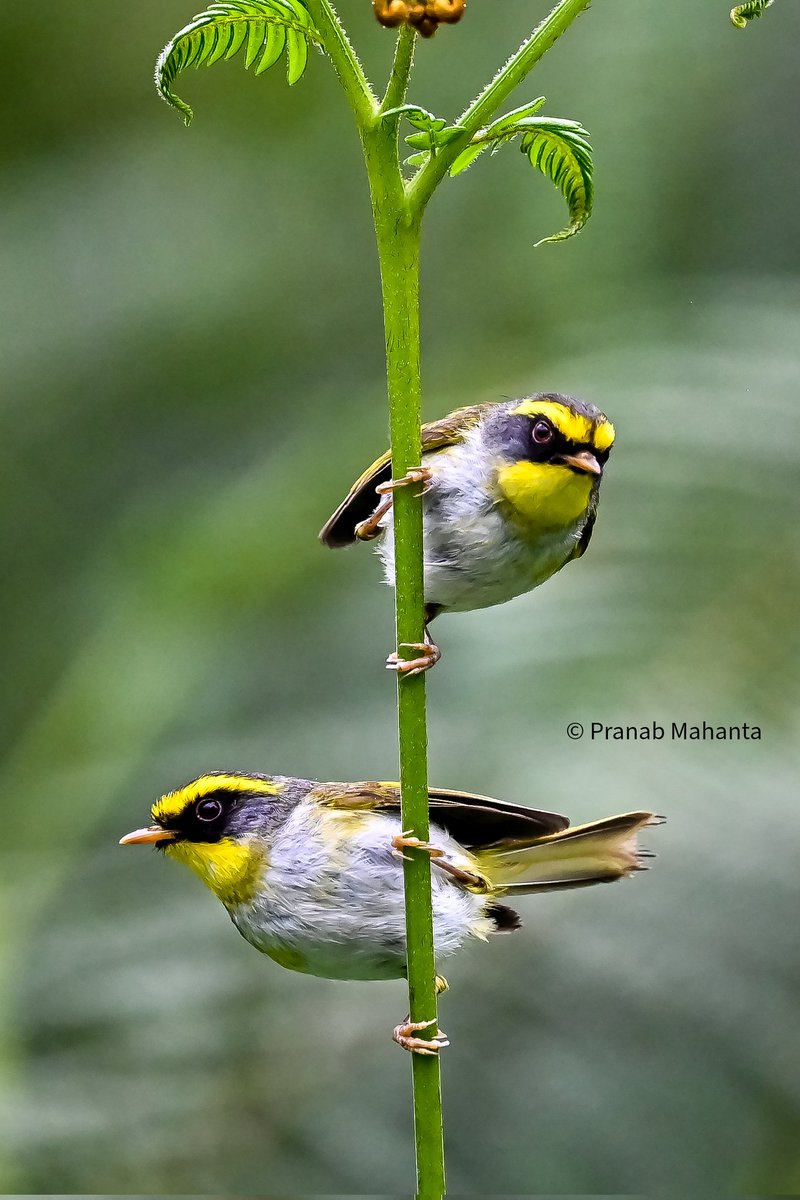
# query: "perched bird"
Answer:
x=310 y=873
x=511 y=493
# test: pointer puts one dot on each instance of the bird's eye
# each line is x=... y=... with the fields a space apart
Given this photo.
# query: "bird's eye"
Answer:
x=542 y=432
x=208 y=810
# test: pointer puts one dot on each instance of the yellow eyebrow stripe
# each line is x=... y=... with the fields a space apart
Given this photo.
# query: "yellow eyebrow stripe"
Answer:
x=173 y=803
x=574 y=426
x=604 y=435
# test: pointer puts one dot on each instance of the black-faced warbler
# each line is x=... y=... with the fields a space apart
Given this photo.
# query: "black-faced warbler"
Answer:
x=310 y=873
x=510 y=497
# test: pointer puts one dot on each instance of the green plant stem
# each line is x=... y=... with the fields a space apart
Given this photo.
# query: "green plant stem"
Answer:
x=397 y=230
x=339 y=49
x=401 y=68
x=398 y=236
x=518 y=67
x=397 y=209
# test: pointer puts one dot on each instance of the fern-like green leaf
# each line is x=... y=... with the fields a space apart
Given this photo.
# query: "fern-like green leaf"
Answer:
x=416 y=115
x=558 y=148
x=742 y=13
x=494 y=135
x=266 y=28
x=434 y=132
x=434 y=140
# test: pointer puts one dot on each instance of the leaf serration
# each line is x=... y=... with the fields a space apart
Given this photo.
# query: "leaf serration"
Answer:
x=557 y=147
x=741 y=14
x=267 y=28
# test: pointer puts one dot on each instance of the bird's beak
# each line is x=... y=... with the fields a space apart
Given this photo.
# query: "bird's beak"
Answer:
x=584 y=460
x=154 y=833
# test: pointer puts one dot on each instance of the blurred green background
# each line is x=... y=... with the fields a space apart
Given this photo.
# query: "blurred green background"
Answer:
x=192 y=375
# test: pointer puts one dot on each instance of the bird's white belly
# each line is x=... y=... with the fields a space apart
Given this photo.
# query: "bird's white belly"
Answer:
x=475 y=558
x=492 y=563
x=331 y=902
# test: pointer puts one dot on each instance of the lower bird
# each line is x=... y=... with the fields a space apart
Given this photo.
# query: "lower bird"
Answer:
x=310 y=873
x=510 y=496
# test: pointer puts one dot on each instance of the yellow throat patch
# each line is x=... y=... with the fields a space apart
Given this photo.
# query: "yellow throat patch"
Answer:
x=231 y=867
x=543 y=496
x=233 y=870
x=547 y=497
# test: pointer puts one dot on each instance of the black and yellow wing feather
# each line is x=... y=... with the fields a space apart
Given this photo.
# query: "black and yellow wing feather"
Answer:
x=475 y=821
x=361 y=501
x=520 y=849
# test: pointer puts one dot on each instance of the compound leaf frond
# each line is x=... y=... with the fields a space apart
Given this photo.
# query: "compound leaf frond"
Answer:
x=266 y=28
x=560 y=150
x=434 y=132
x=557 y=147
x=742 y=13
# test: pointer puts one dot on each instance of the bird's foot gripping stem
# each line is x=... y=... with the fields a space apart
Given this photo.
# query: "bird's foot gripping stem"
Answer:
x=429 y=655
x=365 y=531
x=422 y=475
x=403 y=1034
x=468 y=879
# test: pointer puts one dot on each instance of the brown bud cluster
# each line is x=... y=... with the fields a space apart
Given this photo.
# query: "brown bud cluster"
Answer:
x=423 y=15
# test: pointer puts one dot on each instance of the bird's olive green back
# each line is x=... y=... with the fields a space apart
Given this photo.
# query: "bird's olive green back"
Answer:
x=473 y=820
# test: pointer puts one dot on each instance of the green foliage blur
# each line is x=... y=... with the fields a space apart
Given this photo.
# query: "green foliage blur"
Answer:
x=192 y=374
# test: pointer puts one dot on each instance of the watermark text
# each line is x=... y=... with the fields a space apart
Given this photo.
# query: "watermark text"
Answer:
x=652 y=731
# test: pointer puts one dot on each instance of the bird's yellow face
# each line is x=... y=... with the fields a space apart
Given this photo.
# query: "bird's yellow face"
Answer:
x=217 y=826
x=557 y=452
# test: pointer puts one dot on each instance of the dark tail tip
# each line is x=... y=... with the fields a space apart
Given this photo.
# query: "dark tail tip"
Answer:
x=505 y=919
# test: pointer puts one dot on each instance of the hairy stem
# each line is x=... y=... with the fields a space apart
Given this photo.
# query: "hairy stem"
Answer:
x=401 y=68
x=338 y=47
x=398 y=236
x=494 y=94
x=397 y=210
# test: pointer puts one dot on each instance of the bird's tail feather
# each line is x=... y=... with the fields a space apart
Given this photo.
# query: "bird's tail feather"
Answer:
x=576 y=857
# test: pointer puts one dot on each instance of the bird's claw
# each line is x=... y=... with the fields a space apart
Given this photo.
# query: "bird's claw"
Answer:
x=468 y=879
x=403 y=1034
x=365 y=531
x=428 y=657
x=407 y=841
x=415 y=475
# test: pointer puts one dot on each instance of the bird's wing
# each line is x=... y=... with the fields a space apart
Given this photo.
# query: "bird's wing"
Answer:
x=476 y=822
x=361 y=501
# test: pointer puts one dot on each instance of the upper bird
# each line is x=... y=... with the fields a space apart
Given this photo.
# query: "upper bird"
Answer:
x=510 y=496
x=310 y=876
